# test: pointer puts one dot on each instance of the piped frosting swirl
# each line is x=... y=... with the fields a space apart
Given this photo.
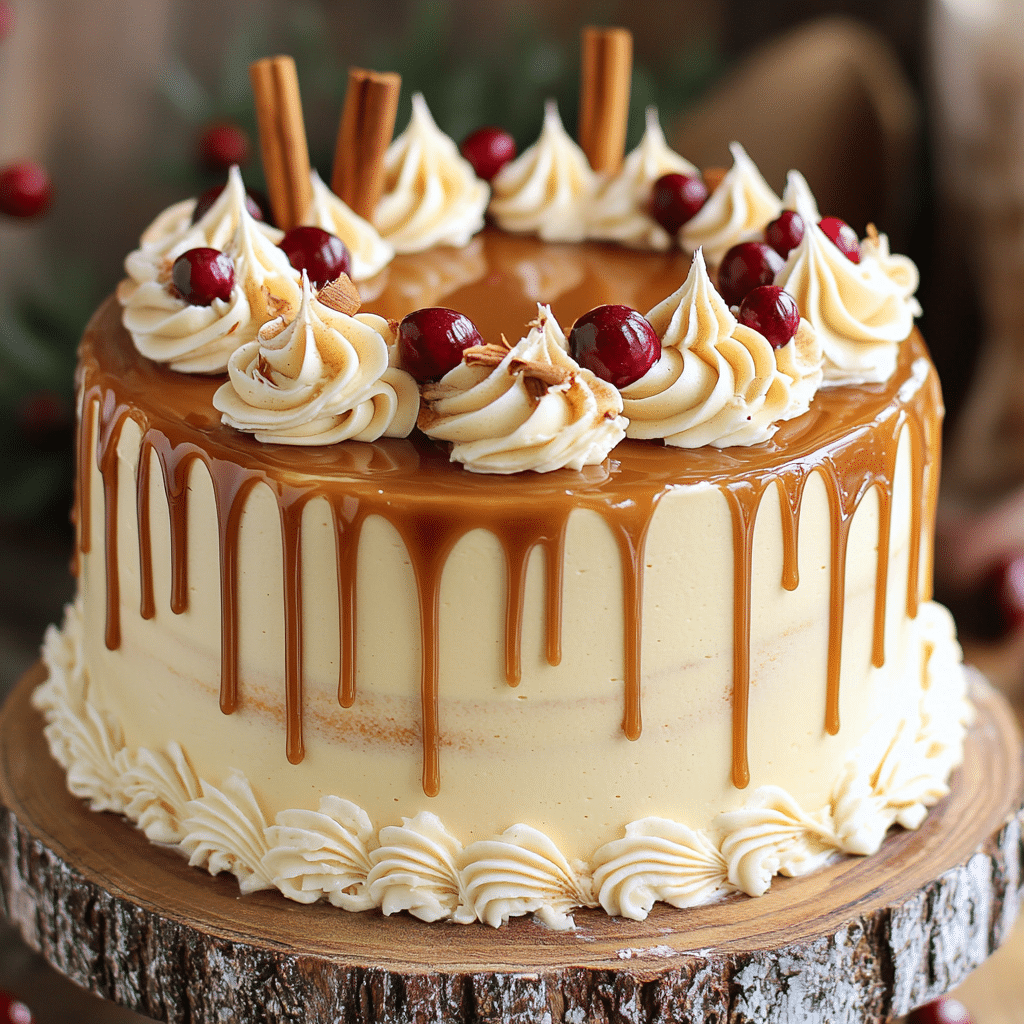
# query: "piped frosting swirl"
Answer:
x=717 y=381
x=530 y=406
x=321 y=378
x=200 y=339
x=368 y=251
x=737 y=211
x=431 y=194
x=547 y=190
x=620 y=208
x=861 y=311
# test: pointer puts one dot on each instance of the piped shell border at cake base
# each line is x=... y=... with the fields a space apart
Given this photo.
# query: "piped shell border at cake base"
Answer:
x=335 y=854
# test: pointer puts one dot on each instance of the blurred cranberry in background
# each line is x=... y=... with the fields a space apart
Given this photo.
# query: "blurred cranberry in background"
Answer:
x=6 y=20
x=25 y=189
x=223 y=144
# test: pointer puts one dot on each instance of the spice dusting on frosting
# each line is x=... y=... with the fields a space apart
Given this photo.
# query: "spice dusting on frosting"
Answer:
x=319 y=379
x=736 y=211
x=529 y=406
x=861 y=311
x=547 y=190
x=431 y=195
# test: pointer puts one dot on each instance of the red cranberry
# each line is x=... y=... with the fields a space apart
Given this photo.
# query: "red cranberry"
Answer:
x=616 y=343
x=13 y=1010
x=844 y=237
x=223 y=145
x=25 y=189
x=785 y=233
x=945 y=1010
x=431 y=341
x=745 y=267
x=488 y=150
x=771 y=311
x=675 y=198
x=255 y=204
x=6 y=20
x=320 y=254
x=202 y=275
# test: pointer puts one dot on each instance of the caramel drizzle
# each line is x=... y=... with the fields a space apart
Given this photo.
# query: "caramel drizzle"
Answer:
x=849 y=463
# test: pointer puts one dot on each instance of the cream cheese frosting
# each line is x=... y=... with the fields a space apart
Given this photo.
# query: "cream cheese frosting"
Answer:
x=861 y=311
x=529 y=406
x=321 y=378
x=717 y=381
x=737 y=211
x=899 y=768
x=620 y=208
x=431 y=194
x=368 y=252
x=548 y=189
x=200 y=339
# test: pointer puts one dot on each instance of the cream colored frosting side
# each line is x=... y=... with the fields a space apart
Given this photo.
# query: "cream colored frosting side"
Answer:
x=431 y=194
x=536 y=409
x=860 y=312
x=200 y=339
x=548 y=189
x=717 y=381
x=320 y=379
x=369 y=253
x=737 y=211
x=619 y=212
x=893 y=775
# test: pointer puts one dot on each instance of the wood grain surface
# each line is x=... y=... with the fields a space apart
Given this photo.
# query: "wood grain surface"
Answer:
x=862 y=940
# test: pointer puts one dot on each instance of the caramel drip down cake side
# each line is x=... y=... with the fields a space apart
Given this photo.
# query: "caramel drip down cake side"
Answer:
x=849 y=441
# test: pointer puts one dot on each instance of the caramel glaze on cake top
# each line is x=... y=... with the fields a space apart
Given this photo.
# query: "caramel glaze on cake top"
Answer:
x=849 y=436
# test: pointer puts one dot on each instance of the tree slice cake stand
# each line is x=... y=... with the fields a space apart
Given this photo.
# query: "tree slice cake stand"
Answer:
x=861 y=940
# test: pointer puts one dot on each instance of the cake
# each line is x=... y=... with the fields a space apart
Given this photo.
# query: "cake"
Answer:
x=566 y=644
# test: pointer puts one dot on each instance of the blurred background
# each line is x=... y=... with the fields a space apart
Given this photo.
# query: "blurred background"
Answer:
x=909 y=115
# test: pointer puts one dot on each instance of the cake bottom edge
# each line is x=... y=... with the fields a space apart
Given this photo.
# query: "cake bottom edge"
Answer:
x=334 y=853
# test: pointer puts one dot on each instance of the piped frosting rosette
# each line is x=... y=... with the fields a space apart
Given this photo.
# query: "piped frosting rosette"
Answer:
x=530 y=406
x=717 y=381
x=431 y=194
x=737 y=211
x=321 y=378
x=547 y=190
x=369 y=252
x=861 y=311
x=620 y=208
x=200 y=339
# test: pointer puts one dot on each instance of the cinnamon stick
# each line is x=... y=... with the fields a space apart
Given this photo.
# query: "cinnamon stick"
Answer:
x=364 y=134
x=607 y=70
x=275 y=87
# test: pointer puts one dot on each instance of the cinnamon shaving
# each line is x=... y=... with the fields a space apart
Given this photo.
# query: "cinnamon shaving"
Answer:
x=484 y=355
x=364 y=134
x=546 y=373
x=872 y=233
x=434 y=391
x=275 y=87
x=607 y=68
x=340 y=295
x=535 y=388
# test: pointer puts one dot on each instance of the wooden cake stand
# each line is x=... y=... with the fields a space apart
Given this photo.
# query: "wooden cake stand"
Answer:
x=862 y=940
